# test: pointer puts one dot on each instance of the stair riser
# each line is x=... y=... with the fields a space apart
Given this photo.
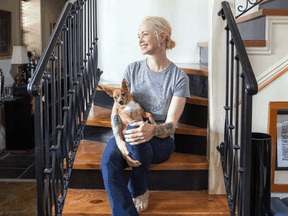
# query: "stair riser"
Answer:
x=204 y=55
x=158 y=179
x=184 y=143
x=198 y=85
x=98 y=134
x=194 y=115
x=277 y=4
x=253 y=29
x=190 y=144
x=103 y=100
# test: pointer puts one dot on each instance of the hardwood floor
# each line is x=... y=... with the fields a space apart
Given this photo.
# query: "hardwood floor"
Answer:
x=18 y=198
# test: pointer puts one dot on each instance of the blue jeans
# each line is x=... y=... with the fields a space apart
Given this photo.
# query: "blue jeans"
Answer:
x=119 y=194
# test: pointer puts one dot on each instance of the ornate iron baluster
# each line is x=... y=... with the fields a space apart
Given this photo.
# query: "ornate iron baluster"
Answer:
x=60 y=116
x=247 y=8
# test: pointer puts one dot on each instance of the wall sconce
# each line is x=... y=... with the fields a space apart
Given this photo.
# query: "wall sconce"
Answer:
x=19 y=57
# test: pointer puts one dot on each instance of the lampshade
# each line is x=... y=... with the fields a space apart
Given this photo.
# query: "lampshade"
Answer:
x=19 y=55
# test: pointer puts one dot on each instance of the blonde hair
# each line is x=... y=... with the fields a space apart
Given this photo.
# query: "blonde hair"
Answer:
x=161 y=25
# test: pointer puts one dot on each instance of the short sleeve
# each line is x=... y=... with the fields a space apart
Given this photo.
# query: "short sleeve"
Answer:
x=127 y=75
x=182 y=85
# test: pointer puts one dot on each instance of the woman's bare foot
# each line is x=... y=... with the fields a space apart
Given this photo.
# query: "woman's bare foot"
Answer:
x=141 y=202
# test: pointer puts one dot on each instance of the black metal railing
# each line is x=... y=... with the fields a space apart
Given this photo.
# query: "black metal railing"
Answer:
x=63 y=86
x=235 y=150
x=248 y=6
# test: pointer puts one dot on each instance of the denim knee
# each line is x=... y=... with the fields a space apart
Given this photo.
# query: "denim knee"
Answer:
x=111 y=157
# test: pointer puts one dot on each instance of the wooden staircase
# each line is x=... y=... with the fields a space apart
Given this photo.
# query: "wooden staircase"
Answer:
x=178 y=186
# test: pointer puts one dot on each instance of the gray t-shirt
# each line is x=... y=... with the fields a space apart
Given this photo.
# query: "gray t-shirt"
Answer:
x=154 y=90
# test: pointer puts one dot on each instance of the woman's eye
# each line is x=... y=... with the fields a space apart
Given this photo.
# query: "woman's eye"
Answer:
x=123 y=94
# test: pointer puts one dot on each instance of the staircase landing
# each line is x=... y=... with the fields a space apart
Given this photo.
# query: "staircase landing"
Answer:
x=161 y=203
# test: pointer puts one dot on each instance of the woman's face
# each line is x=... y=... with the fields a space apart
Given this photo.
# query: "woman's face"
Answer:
x=148 y=41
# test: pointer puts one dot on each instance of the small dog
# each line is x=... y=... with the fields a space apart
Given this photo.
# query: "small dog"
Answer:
x=128 y=109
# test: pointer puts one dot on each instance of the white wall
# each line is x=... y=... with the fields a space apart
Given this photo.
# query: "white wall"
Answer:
x=118 y=23
x=216 y=68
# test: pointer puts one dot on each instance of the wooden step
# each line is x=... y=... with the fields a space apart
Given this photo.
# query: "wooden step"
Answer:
x=89 y=155
x=202 y=44
x=247 y=43
x=101 y=117
x=265 y=1
x=192 y=100
x=194 y=68
x=161 y=203
x=263 y=12
x=197 y=100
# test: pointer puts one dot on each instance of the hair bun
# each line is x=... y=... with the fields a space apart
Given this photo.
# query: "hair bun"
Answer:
x=170 y=44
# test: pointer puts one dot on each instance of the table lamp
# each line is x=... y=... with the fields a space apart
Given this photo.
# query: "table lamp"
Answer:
x=19 y=57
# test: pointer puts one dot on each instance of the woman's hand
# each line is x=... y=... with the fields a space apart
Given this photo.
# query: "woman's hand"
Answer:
x=142 y=134
x=125 y=153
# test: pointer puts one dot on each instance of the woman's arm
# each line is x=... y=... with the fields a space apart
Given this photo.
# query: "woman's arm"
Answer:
x=121 y=144
x=146 y=131
x=175 y=111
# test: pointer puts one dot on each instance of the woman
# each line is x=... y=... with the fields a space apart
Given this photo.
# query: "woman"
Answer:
x=161 y=88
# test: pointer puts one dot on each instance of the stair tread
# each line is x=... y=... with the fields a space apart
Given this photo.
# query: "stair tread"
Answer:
x=89 y=155
x=247 y=43
x=95 y=202
x=263 y=12
x=194 y=68
x=202 y=44
x=101 y=117
x=197 y=100
x=192 y=100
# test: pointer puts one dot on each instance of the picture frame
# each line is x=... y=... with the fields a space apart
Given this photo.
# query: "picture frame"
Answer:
x=278 y=114
x=281 y=162
x=5 y=34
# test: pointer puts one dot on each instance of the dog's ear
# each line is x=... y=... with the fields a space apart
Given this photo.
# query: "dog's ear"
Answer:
x=125 y=85
x=109 y=91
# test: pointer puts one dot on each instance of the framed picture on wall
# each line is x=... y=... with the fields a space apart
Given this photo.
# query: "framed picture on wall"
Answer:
x=278 y=129
x=282 y=140
x=5 y=33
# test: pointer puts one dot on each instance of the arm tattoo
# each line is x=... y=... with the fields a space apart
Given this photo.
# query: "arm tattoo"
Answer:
x=117 y=127
x=163 y=130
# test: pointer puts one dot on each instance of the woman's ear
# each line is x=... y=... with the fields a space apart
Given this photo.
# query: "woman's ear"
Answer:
x=162 y=37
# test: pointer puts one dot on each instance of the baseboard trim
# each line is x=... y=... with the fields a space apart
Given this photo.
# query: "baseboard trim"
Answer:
x=272 y=73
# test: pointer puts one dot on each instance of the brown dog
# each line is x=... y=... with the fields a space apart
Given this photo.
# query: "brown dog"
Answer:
x=127 y=108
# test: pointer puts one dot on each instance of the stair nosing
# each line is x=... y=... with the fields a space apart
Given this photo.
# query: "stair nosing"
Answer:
x=88 y=148
x=180 y=128
x=197 y=100
x=160 y=203
x=262 y=12
x=254 y=43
